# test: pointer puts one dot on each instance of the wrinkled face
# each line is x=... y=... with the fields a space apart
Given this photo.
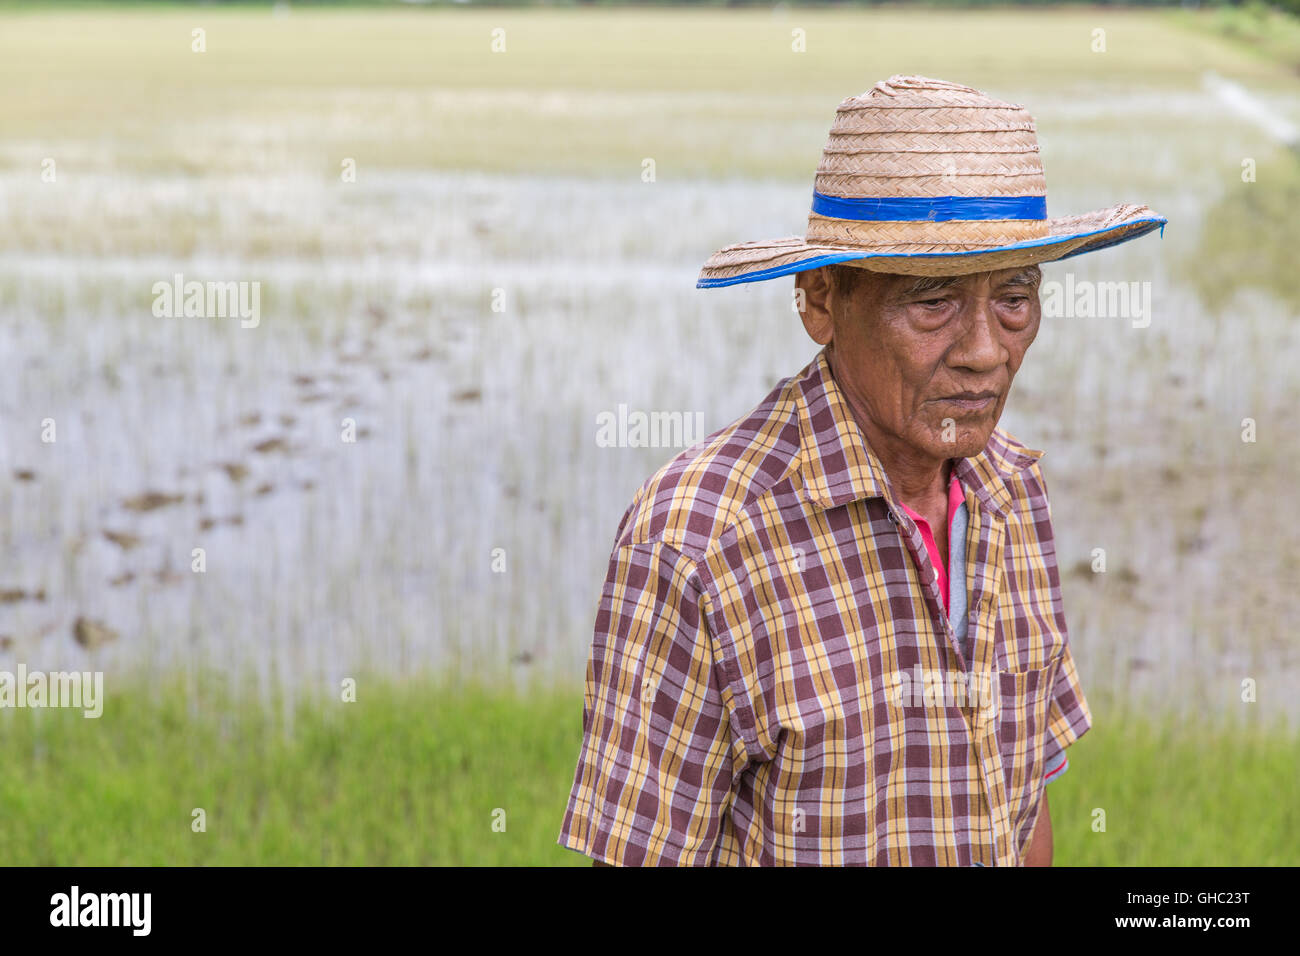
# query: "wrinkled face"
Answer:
x=928 y=360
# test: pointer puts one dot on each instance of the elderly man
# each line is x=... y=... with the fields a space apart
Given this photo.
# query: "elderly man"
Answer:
x=832 y=632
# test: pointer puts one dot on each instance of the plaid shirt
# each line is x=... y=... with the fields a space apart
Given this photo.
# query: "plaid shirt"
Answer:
x=773 y=679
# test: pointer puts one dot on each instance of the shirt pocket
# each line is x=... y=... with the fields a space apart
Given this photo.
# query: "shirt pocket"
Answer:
x=1031 y=638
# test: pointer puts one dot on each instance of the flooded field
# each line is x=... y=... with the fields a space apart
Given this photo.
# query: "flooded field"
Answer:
x=397 y=470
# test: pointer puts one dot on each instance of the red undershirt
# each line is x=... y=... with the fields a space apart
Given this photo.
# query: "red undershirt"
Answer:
x=955 y=499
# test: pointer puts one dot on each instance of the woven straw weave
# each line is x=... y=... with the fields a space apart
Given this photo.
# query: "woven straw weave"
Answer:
x=915 y=137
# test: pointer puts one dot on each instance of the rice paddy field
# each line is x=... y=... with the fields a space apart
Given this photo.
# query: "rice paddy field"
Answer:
x=394 y=476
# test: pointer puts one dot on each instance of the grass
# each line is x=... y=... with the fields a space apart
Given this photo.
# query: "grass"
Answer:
x=1178 y=792
x=1273 y=35
x=407 y=775
x=412 y=774
x=704 y=92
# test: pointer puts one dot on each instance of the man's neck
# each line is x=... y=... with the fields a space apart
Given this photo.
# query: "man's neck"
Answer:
x=921 y=484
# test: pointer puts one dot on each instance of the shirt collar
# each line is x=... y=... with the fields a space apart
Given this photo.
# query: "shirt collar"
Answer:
x=836 y=465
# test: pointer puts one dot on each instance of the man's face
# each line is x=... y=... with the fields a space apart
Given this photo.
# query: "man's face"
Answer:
x=929 y=360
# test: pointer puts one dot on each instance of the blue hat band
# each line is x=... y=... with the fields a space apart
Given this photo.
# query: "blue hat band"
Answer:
x=929 y=208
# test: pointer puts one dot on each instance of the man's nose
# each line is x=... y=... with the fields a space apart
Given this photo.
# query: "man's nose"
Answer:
x=979 y=347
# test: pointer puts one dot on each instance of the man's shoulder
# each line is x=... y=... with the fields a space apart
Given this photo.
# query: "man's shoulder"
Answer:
x=693 y=499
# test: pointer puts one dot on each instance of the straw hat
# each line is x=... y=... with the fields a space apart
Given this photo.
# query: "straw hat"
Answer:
x=924 y=177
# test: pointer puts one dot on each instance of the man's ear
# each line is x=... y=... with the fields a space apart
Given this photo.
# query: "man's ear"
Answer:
x=812 y=297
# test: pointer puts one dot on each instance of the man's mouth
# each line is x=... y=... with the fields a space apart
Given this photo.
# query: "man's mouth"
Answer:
x=969 y=400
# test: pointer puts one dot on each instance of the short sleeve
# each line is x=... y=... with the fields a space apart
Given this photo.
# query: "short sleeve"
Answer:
x=1068 y=718
x=658 y=757
x=1055 y=768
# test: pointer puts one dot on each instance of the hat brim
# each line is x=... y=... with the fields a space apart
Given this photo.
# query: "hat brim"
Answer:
x=1065 y=237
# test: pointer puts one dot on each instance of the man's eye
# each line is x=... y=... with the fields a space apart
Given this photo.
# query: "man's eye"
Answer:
x=933 y=303
x=1016 y=301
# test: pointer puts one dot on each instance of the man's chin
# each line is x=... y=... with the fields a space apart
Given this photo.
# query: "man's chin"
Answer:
x=966 y=444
